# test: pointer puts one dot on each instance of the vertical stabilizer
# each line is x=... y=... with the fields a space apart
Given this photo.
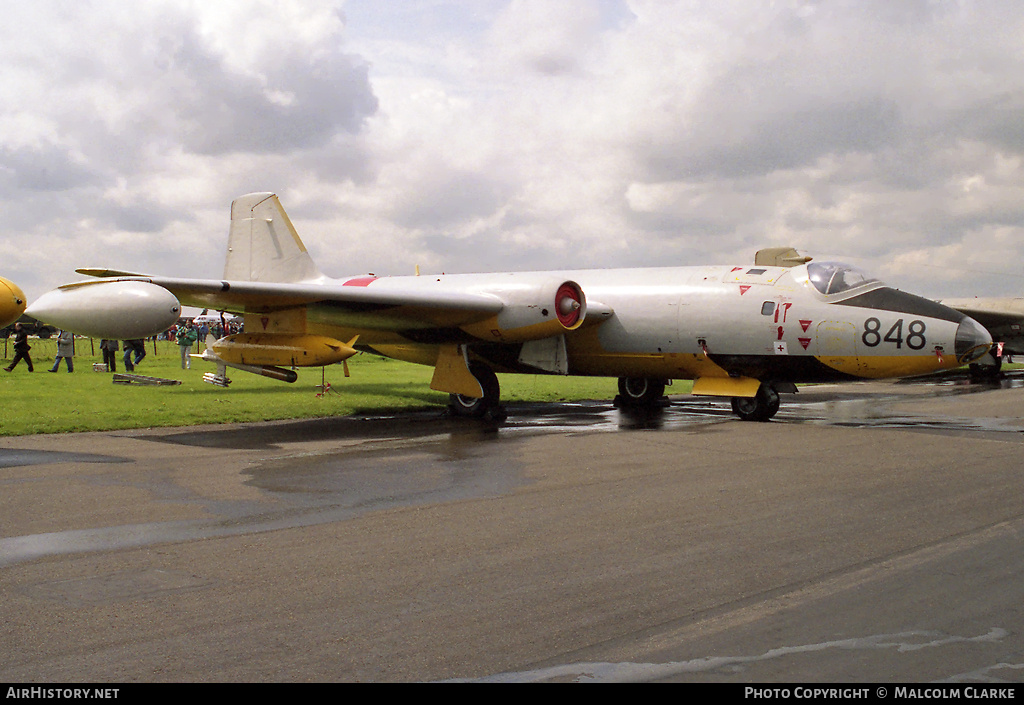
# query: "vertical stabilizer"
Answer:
x=263 y=245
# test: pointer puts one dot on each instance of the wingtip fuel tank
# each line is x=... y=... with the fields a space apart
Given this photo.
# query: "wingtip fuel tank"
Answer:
x=121 y=310
x=12 y=302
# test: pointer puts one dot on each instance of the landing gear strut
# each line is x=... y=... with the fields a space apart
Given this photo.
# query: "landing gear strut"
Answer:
x=761 y=407
x=487 y=405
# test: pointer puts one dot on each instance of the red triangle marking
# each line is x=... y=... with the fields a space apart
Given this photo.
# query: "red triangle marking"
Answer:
x=805 y=342
x=743 y=289
x=805 y=325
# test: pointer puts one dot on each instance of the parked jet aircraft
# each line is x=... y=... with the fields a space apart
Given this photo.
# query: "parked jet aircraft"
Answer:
x=745 y=332
x=12 y=302
x=213 y=318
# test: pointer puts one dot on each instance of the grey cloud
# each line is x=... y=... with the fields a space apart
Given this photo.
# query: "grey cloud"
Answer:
x=450 y=198
x=491 y=251
x=783 y=140
x=816 y=80
x=553 y=64
x=49 y=167
x=142 y=216
x=223 y=111
x=998 y=121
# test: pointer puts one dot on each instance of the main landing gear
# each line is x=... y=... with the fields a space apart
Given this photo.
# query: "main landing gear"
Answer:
x=634 y=393
x=761 y=407
x=640 y=392
x=487 y=406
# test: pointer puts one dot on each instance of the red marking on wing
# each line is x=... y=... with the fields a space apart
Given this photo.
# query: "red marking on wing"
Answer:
x=360 y=281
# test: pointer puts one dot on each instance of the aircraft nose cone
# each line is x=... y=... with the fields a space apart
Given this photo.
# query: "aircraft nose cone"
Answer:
x=972 y=341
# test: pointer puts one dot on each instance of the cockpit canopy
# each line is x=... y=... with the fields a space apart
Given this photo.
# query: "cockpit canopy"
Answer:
x=836 y=277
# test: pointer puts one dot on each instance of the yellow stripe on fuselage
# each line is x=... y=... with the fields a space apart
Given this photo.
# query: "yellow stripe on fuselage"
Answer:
x=883 y=366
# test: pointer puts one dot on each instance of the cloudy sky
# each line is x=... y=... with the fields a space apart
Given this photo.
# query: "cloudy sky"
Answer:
x=481 y=135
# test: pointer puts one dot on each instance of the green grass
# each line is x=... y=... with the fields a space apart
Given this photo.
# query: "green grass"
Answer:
x=42 y=402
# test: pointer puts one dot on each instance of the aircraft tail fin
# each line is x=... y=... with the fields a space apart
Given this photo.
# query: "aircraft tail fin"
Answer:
x=263 y=245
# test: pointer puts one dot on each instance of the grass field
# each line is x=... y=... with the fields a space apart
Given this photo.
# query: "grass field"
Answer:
x=42 y=402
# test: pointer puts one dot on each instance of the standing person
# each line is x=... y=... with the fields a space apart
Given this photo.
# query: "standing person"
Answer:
x=138 y=347
x=186 y=337
x=109 y=347
x=21 y=348
x=65 y=350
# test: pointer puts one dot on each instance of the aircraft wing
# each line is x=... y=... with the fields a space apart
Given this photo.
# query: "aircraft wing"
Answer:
x=441 y=307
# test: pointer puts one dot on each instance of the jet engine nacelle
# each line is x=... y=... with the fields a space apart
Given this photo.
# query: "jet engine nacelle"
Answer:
x=118 y=310
x=534 y=311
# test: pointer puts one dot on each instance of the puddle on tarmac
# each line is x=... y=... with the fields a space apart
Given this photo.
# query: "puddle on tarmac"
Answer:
x=306 y=489
x=432 y=458
x=17 y=457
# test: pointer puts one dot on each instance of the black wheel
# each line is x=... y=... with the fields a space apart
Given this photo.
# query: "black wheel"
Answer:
x=640 y=391
x=477 y=407
x=761 y=407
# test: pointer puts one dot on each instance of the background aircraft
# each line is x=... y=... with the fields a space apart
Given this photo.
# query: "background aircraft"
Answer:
x=745 y=332
x=1003 y=317
x=213 y=318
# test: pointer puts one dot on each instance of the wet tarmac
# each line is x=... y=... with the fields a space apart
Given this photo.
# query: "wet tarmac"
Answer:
x=422 y=547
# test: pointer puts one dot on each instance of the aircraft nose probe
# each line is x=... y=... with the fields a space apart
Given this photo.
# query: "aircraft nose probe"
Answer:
x=972 y=341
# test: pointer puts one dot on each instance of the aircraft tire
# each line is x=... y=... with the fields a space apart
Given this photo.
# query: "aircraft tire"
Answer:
x=640 y=391
x=472 y=406
x=761 y=407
